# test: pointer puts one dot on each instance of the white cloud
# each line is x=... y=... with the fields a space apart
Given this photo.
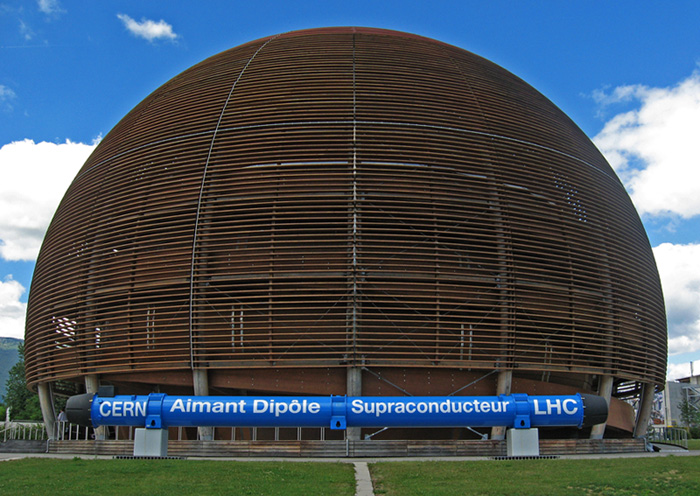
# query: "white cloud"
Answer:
x=35 y=178
x=682 y=370
x=655 y=148
x=619 y=94
x=12 y=311
x=6 y=97
x=679 y=269
x=49 y=7
x=6 y=93
x=147 y=29
x=25 y=30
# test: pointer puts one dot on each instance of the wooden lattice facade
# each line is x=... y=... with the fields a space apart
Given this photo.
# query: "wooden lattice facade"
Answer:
x=346 y=197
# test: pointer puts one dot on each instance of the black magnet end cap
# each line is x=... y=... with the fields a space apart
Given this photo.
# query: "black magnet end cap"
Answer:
x=595 y=410
x=78 y=409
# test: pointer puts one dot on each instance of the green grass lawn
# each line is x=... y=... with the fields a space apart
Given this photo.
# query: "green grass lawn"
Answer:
x=694 y=444
x=599 y=477
x=671 y=475
x=79 y=477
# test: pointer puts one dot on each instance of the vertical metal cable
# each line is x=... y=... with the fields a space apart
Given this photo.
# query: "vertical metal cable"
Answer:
x=201 y=194
x=354 y=208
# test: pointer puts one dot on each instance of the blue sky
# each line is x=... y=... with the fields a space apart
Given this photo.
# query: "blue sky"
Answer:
x=627 y=72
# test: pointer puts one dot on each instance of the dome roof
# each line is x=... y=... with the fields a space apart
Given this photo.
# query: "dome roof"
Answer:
x=345 y=196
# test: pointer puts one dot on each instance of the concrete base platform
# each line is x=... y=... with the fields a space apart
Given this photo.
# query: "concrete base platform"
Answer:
x=22 y=446
x=350 y=449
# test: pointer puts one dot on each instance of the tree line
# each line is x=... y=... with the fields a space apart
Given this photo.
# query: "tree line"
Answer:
x=23 y=404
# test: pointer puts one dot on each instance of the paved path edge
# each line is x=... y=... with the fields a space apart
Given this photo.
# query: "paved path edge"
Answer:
x=363 y=481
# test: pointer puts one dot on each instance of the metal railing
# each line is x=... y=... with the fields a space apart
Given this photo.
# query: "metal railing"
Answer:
x=668 y=435
x=21 y=430
x=65 y=431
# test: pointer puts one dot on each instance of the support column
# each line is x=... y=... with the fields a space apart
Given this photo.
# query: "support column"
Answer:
x=505 y=380
x=92 y=384
x=354 y=388
x=47 y=411
x=646 y=401
x=605 y=391
x=200 y=380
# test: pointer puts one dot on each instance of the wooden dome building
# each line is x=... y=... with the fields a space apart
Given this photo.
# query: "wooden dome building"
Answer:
x=348 y=210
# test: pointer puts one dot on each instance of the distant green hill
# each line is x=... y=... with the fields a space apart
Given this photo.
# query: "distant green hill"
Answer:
x=8 y=357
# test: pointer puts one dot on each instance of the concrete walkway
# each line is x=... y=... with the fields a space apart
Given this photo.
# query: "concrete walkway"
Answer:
x=363 y=481
x=596 y=456
x=15 y=456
